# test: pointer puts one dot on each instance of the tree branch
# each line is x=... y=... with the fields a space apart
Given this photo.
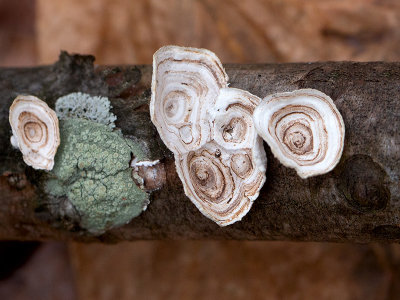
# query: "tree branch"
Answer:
x=358 y=201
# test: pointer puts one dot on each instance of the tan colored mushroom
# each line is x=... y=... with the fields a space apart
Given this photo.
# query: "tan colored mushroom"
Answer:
x=35 y=131
x=185 y=83
x=223 y=184
x=304 y=130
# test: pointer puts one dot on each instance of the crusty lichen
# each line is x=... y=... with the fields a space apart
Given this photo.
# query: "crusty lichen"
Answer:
x=92 y=171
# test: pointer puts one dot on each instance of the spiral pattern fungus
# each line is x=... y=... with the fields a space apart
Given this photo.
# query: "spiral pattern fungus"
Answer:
x=35 y=131
x=304 y=130
x=209 y=128
x=186 y=82
x=221 y=183
x=233 y=119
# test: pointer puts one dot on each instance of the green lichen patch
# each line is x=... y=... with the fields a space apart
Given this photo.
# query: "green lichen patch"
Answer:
x=92 y=170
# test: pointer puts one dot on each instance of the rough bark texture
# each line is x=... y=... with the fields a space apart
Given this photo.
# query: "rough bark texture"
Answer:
x=358 y=201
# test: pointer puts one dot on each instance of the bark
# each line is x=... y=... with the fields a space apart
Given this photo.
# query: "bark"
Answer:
x=357 y=202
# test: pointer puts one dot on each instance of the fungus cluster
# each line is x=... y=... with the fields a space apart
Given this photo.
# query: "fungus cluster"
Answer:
x=209 y=128
x=215 y=131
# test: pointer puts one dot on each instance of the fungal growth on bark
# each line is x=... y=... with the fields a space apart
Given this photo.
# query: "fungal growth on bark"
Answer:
x=232 y=116
x=35 y=131
x=209 y=127
x=304 y=130
x=221 y=183
x=185 y=84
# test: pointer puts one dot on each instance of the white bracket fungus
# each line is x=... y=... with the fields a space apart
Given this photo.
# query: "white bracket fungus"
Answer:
x=304 y=130
x=232 y=118
x=35 y=131
x=209 y=128
x=185 y=84
x=221 y=183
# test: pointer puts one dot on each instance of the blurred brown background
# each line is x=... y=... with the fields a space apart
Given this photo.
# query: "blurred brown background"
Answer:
x=254 y=31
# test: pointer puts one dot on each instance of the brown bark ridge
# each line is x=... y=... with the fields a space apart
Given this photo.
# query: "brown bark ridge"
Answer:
x=359 y=201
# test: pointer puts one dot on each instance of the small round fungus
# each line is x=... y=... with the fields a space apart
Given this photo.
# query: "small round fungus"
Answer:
x=85 y=106
x=35 y=131
x=304 y=130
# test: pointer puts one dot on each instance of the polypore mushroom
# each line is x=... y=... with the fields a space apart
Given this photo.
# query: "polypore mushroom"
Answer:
x=221 y=183
x=304 y=130
x=232 y=118
x=224 y=177
x=185 y=84
x=209 y=128
x=35 y=131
